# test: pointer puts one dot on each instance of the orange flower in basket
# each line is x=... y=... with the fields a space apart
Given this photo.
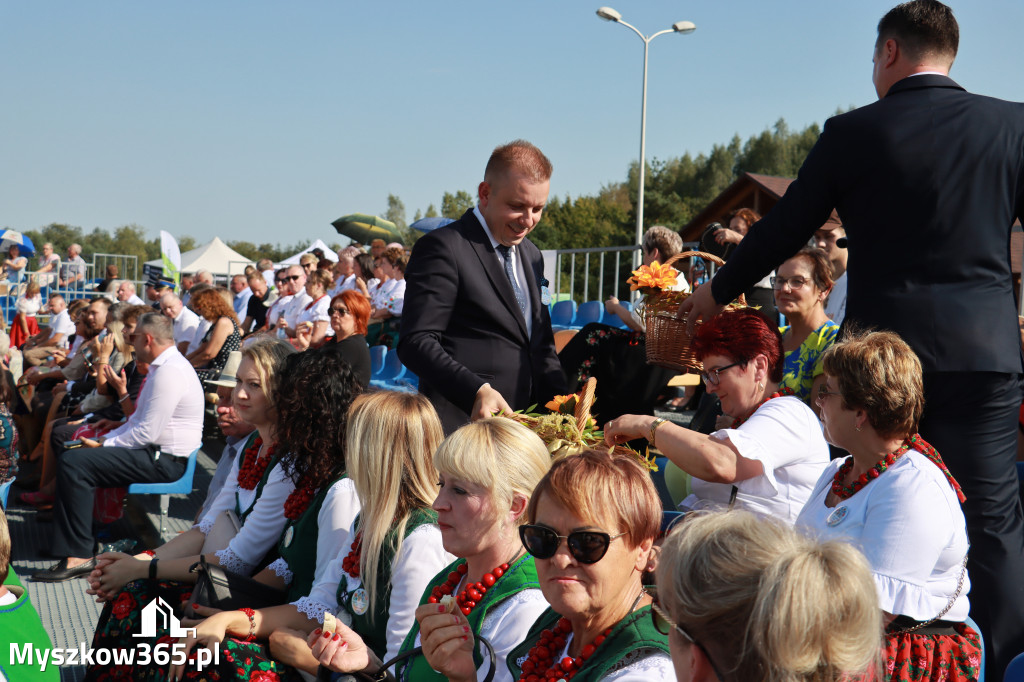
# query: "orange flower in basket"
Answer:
x=565 y=404
x=653 y=277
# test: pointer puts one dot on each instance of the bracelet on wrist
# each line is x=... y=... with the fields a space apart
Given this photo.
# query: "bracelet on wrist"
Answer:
x=252 y=623
x=123 y=398
x=654 y=429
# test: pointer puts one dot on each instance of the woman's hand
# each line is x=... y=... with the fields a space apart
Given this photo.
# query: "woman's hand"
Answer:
x=204 y=611
x=447 y=642
x=304 y=335
x=342 y=652
x=209 y=634
x=104 y=348
x=115 y=380
x=627 y=427
x=612 y=305
x=727 y=236
x=114 y=570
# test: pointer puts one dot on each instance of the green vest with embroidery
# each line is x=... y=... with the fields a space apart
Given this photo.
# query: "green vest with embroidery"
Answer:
x=634 y=632
x=21 y=627
x=522 y=575
x=259 y=486
x=298 y=544
x=374 y=633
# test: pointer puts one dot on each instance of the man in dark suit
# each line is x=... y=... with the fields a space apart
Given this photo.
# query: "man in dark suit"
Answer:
x=475 y=325
x=927 y=182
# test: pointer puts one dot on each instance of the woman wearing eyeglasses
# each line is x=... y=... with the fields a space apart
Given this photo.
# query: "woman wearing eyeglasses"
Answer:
x=592 y=524
x=488 y=471
x=349 y=312
x=773 y=452
x=894 y=498
x=743 y=598
x=801 y=289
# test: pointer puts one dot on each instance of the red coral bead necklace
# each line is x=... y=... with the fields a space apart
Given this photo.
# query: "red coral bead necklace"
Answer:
x=473 y=593
x=254 y=466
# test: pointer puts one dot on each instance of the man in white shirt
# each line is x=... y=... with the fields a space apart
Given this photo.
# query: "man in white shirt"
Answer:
x=241 y=293
x=72 y=271
x=151 y=447
x=295 y=277
x=126 y=293
x=345 y=268
x=826 y=238
x=185 y=322
x=40 y=346
x=285 y=295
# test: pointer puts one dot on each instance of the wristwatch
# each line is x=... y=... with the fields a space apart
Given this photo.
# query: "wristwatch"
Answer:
x=654 y=428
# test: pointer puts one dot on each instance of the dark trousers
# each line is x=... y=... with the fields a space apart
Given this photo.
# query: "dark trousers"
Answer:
x=82 y=470
x=971 y=419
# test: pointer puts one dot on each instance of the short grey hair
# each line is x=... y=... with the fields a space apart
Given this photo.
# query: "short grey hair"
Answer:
x=156 y=325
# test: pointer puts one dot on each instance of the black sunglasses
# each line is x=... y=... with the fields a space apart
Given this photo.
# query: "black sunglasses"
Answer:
x=586 y=546
x=342 y=312
x=290 y=278
x=664 y=625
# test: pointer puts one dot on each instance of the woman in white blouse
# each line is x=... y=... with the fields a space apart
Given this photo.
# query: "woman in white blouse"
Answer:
x=27 y=306
x=488 y=471
x=257 y=498
x=894 y=499
x=312 y=326
x=774 y=452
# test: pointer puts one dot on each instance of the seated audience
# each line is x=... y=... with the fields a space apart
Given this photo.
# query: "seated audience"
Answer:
x=488 y=471
x=743 y=598
x=185 y=322
x=169 y=421
x=49 y=264
x=827 y=239
x=256 y=309
x=240 y=293
x=8 y=431
x=739 y=223
x=895 y=500
x=314 y=319
x=14 y=265
x=599 y=626
x=222 y=337
x=25 y=325
x=364 y=273
x=770 y=458
x=236 y=431
x=375 y=588
x=126 y=293
x=109 y=277
x=55 y=335
x=801 y=287
x=349 y=314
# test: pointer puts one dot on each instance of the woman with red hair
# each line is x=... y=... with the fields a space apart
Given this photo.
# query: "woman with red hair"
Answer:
x=774 y=452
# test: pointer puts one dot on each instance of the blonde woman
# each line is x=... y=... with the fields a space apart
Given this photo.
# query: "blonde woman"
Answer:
x=488 y=470
x=374 y=588
x=744 y=598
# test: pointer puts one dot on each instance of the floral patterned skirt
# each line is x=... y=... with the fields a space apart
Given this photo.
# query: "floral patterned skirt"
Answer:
x=945 y=657
x=241 y=661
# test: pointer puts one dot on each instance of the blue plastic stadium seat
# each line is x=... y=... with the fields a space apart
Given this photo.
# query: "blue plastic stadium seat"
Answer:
x=5 y=488
x=1014 y=671
x=613 y=320
x=377 y=356
x=588 y=312
x=562 y=314
x=183 y=486
x=392 y=371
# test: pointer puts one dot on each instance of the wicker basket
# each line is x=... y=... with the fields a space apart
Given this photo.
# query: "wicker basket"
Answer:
x=668 y=344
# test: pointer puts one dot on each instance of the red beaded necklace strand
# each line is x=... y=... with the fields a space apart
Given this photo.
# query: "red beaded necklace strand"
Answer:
x=777 y=394
x=920 y=444
x=299 y=499
x=350 y=564
x=473 y=593
x=254 y=466
x=540 y=663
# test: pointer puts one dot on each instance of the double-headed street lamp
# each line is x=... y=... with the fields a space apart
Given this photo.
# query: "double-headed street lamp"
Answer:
x=609 y=14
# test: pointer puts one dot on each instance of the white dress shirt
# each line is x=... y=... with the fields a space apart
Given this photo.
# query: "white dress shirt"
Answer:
x=62 y=324
x=516 y=269
x=135 y=300
x=295 y=308
x=185 y=325
x=169 y=410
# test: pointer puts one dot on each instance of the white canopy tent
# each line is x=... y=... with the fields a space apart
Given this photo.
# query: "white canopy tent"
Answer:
x=215 y=256
x=329 y=253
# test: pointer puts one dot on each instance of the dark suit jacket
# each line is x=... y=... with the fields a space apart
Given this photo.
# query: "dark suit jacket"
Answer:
x=462 y=327
x=927 y=181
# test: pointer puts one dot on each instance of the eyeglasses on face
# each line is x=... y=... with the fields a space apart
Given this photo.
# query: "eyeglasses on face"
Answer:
x=664 y=625
x=290 y=278
x=824 y=393
x=711 y=376
x=586 y=546
x=341 y=312
x=795 y=283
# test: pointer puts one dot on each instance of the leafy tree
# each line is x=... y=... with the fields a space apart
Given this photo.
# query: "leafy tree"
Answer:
x=396 y=212
x=431 y=212
x=454 y=205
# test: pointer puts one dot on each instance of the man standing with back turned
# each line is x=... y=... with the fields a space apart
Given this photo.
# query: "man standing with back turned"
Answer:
x=927 y=182
x=475 y=326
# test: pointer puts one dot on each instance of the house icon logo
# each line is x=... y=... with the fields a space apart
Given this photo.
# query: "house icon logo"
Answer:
x=158 y=615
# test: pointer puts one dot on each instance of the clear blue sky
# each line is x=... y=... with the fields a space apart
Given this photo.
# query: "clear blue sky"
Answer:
x=265 y=121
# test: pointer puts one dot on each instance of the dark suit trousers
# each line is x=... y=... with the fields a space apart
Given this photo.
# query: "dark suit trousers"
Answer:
x=971 y=419
x=82 y=470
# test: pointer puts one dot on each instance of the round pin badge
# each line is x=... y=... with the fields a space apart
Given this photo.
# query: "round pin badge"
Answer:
x=359 y=602
x=837 y=516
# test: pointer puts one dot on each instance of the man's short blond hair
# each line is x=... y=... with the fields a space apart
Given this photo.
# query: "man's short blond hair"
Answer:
x=520 y=156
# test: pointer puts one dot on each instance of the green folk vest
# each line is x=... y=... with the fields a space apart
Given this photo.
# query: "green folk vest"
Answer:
x=374 y=631
x=298 y=545
x=522 y=575
x=259 y=486
x=635 y=631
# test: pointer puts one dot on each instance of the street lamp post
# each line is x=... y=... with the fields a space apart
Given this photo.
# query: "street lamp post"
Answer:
x=609 y=14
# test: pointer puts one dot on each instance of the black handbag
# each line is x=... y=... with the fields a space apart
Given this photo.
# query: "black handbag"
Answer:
x=384 y=675
x=226 y=590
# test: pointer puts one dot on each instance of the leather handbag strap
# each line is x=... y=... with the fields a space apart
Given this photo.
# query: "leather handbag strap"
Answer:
x=385 y=675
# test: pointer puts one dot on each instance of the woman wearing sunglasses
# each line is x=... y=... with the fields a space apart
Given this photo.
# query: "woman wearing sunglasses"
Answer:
x=592 y=523
x=488 y=470
x=773 y=453
x=749 y=599
x=895 y=499
x=350 y=313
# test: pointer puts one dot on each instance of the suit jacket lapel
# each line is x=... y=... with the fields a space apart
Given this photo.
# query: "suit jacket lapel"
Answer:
x=490 y=264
